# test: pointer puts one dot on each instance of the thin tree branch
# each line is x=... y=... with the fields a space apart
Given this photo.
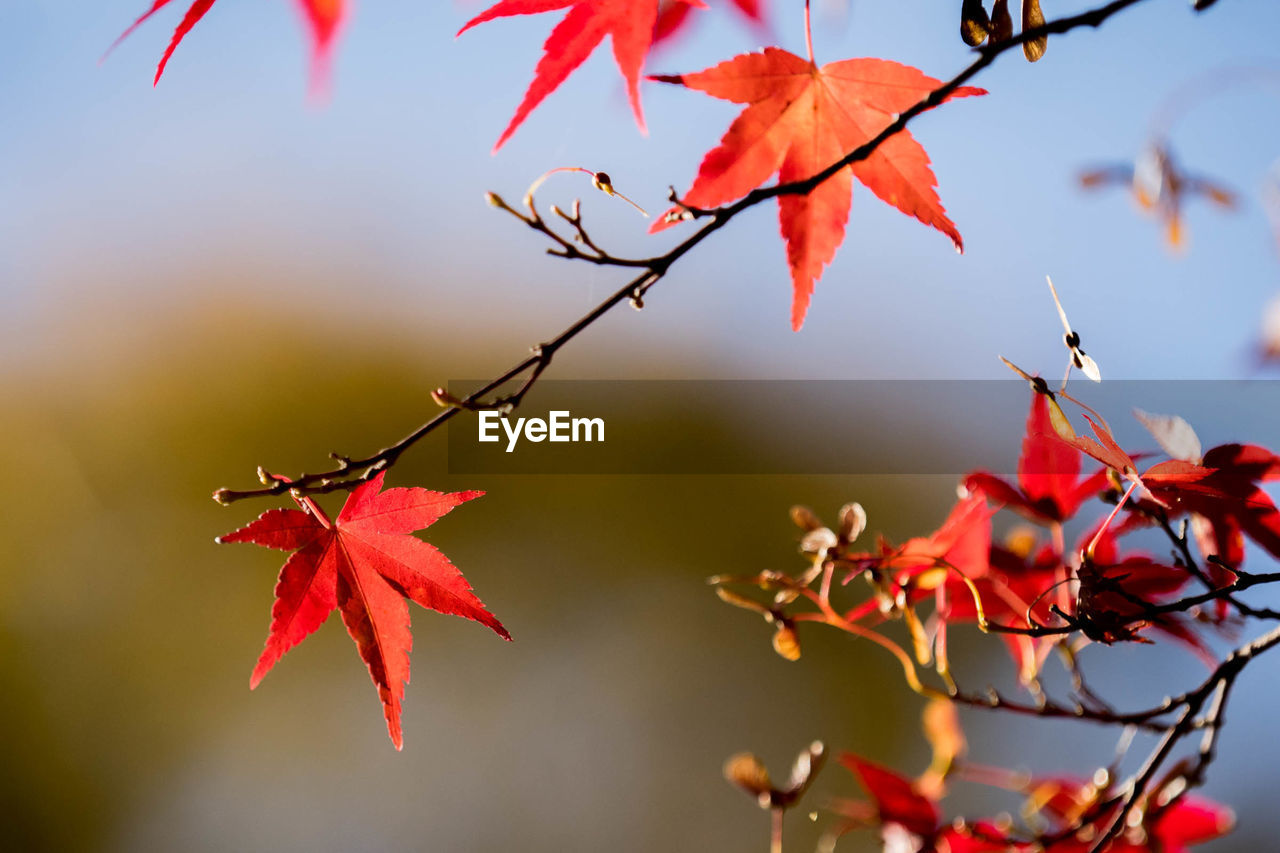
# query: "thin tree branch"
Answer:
x=351 y=472
x=1218 y=685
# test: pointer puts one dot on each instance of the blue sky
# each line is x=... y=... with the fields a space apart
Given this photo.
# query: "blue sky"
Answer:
x=104 y=177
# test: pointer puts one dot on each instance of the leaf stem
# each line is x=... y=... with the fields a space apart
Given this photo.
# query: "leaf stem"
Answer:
x=808 y=32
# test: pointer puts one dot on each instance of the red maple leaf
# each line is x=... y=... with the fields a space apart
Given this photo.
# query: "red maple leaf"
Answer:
x=959 y=547
x=323 y=19
x=1049 y=486
x=366 y=563
x=1227 y=500
x=896 y=799
x=630 y=24
x=801 y=118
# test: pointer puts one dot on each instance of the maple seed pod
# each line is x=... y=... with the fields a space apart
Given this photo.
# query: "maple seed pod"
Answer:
x=853 y=520
x=804 y=518
x=806 y=767
x=974 y=23
x=786 y=642
x=1032 y=17
x=1058 y=420
x=749 y=773
x=818 y=541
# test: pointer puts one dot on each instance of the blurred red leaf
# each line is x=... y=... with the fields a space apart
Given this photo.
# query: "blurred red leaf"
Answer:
x=1226 y=494
x=366 y=563
x=801 y=118
x=896 y=799
x=1049 y=486
x=674 y=15
x=630 y=24
x=323 y=19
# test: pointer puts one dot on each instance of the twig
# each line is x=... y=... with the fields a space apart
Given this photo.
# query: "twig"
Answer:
x=1218 y=686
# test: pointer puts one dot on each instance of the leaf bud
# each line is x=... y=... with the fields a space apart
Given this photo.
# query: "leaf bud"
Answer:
x=804 y=518
x=749 y=773
x=818 y=541
x=853 y=520
x=786 y=642
x=442 y=398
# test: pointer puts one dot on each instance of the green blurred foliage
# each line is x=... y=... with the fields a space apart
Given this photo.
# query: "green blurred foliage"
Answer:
x=127 y=635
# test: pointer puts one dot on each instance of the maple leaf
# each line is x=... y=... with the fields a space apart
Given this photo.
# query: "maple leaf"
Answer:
x=897 y=799
x=365 y=564
x=959 y=546
x=1049 y=486
x=323 y=19
x=629 y=23
x=962 y=542
x=801 y=118
x=1227 y=498
x=1220 y=489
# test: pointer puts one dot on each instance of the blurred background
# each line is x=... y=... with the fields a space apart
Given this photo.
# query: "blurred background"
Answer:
x=219 y=273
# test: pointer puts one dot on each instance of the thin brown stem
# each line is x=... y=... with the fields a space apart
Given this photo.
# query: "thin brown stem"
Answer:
x=808 y=32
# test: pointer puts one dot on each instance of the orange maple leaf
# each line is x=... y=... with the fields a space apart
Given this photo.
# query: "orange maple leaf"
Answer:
x=801 y=118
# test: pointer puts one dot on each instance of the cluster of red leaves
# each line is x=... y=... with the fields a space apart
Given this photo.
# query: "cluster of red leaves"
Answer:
x=799 y=119
x=1099 y=590
x=1068 y=814
x=364 y=563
